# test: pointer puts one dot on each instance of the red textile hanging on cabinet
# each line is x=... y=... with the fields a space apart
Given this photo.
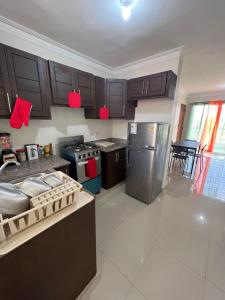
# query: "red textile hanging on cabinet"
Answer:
x=211 y=125
x=91 y=168
x=21 y=113
x=74 y=99
x=104 y=113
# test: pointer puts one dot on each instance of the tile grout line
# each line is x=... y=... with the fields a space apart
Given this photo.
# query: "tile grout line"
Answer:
x=207 y=256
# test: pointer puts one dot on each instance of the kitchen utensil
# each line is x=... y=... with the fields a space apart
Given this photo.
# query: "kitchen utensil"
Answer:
x=12 y=201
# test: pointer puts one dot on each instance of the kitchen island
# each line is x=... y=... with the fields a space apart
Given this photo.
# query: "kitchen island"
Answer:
x=53 y=259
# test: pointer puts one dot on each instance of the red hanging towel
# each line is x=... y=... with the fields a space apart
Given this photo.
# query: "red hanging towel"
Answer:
x=20 y=114
x=26 y=109
x=104 y=113
x=74 y=99
x=91 y=168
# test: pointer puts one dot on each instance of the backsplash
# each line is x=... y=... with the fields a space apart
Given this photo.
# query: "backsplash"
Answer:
x=65 y=122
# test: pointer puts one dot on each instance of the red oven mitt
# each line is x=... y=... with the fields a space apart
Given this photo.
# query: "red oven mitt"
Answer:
x=74 y=99
x=91 y=168
x=104 y=113
x=20 y=114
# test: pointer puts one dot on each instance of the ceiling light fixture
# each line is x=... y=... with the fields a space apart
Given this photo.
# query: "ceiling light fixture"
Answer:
x=126 y=8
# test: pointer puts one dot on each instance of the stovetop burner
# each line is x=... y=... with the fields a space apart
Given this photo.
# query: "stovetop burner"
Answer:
x=79 y=147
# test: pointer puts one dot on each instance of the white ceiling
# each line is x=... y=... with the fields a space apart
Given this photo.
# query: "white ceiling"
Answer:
x=95 y=28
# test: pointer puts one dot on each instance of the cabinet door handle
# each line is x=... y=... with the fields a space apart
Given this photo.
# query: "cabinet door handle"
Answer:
x=146 y=91
x=123 y=110
x=143 y=85
x=9 y=104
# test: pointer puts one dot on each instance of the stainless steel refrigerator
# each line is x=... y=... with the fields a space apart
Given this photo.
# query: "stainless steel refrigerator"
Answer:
x=147 y=147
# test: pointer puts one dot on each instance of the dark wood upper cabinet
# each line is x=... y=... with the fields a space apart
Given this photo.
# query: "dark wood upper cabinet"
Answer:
x=100 y=98
x=136 y=88
x=117 y=97
x=5 y=91
x=86 y=86
x=155 y=85
x=113 y=94
x=160 y=85
x=29 y=79
x=63 y=81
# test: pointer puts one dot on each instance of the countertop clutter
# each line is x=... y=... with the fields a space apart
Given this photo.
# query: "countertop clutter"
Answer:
x=26 y=168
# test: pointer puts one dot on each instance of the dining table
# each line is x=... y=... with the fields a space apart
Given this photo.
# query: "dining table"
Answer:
x=188 y=145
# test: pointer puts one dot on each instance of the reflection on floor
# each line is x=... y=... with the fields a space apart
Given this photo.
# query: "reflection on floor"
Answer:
x=210 y=181
x=173 y=249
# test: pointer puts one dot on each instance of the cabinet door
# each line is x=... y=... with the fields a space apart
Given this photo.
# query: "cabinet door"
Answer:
x=62 y=82
x=135 y=88
x=155 y=85
x=121 y=164
x=29 y=79
x=86 y=85
x=116 y=97
x=113 y=168
x=100 y=99
x=5 y=95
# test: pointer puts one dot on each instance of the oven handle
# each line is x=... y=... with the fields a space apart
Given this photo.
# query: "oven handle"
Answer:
x=85 y=162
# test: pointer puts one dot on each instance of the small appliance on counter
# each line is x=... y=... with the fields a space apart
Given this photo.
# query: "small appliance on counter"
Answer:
x=85 y=161
x=6 y=152
x=147 y=147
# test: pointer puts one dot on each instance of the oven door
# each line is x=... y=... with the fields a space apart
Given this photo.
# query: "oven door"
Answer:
x=81 y=172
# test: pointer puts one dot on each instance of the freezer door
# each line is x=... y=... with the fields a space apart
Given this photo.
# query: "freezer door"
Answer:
x=139 y=174
x=142 y=134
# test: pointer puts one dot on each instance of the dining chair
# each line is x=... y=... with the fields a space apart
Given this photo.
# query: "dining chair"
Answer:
x=179 y=154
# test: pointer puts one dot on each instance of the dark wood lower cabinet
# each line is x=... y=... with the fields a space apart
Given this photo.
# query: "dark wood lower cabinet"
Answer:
x=113 y=167
x=57 y=264
x=64 y=169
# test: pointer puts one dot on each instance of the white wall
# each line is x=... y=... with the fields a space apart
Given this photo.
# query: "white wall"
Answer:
x=65 y=122
x=146 y=111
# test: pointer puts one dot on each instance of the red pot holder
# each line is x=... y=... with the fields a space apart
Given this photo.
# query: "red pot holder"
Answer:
x=74 y=99
x=104 y=113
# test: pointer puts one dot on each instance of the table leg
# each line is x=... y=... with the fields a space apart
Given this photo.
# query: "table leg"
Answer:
x=193 y=161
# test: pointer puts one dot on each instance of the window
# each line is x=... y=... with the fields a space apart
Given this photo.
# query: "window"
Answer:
x=198 y=116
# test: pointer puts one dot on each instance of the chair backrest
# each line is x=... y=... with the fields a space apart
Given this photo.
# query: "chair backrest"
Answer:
x=179 y=150
x=202 y=148
x=190 y=140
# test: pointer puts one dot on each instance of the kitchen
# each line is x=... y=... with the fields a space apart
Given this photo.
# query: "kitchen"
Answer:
x=94 y=139
x=119 y=96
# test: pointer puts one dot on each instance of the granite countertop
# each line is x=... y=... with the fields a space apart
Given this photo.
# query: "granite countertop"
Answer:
x=119 y=144
x=26 y=168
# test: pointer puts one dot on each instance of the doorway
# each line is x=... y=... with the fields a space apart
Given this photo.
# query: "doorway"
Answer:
x=181 y=121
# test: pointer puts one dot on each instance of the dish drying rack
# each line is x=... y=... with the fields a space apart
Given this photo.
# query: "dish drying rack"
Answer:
x=42 y=206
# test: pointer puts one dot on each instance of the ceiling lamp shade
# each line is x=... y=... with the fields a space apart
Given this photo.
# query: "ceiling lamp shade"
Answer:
x=126 y=8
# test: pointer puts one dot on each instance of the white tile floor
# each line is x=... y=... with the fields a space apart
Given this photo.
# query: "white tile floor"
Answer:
x=173 y=249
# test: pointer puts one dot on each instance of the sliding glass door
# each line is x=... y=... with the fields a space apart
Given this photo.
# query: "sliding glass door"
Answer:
x=199 y=117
